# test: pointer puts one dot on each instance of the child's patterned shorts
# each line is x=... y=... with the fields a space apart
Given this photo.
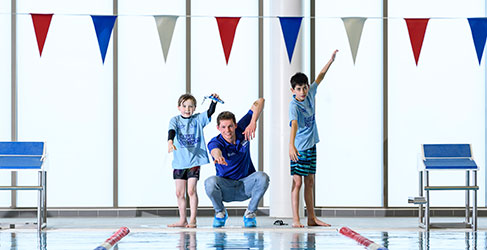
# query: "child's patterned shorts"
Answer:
x=184 y=174
x=306 y=163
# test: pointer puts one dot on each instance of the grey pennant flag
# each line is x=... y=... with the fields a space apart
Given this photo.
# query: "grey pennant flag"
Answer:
x=354 y=27
x=165 y=27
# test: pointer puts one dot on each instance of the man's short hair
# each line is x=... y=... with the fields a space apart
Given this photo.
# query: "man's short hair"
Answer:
x=186 y=97
x=225 y=115
x=299 y=79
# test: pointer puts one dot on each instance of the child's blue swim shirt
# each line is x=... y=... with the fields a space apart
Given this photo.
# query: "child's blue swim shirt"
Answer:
x=304 y=113
x=189 y=141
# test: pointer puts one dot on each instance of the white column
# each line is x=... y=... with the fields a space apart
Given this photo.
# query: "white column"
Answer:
x=278 y=95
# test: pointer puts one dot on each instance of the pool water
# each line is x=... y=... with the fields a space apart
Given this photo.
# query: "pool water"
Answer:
x=244 y=239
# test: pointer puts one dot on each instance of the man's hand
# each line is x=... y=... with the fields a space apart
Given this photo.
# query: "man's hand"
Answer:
x=170 y=146
x=220 y=160
x=249 y=132
x=293 y=153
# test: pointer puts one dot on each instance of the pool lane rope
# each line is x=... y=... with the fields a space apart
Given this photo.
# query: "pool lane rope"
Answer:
x=361 y=239
x=116 y=237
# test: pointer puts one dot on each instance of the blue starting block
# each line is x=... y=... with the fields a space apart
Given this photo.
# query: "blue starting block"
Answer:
x=447 y=157
x=27 y=156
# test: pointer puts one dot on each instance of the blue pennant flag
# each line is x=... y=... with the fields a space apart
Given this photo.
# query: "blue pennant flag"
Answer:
x=290 y=30
x=478 y=26
x=103 y=28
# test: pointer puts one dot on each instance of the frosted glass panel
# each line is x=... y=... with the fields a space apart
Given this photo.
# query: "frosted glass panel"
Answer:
x=149 y=89
x=151 y=7
x=349 y=107
x=449 y=8
x=237 y=82
x=442 y=100
x=5 y=71
x=87 y=7
x=65 y=98
x=5 y=90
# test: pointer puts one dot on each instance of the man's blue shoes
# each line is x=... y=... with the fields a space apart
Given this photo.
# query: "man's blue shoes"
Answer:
x=220 y=219
x=249 y=219
x=250 y=222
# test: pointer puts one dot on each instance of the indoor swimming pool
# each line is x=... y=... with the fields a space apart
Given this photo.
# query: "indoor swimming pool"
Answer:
x=240 y=239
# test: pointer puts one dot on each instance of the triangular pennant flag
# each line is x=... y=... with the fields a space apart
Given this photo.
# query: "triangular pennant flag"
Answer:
x=165 y=27
x=478 y=26
x=103 y=28
x=41 y=27
x=417 y=29
x=354 y=27
x=290 y=29
x=227 y=27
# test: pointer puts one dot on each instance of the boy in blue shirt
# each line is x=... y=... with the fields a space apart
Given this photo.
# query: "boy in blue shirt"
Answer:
x=302 y=143
x=189 y=153
x=236 y=178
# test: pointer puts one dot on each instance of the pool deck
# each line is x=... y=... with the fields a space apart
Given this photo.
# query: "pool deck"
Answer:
x=265 y=223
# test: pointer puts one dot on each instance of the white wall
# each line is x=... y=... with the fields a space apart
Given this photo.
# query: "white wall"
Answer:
x=65 y=99
x=5 y=70
x=349 y=107
x=442 y=100
x=148 y=92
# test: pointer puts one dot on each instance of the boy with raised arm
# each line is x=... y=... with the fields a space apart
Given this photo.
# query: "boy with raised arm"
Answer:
x=303 y=140
x=187 y=141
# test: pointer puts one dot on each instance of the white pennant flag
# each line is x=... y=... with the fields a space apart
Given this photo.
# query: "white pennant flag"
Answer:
x=165 y=27
x=354 y=27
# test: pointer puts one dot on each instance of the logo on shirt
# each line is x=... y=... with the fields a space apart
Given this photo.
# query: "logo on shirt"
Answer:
x=309 y=121
x=189 y=140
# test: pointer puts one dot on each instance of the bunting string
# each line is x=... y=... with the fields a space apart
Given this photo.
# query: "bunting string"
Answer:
x=290 y=26
x=209 y=16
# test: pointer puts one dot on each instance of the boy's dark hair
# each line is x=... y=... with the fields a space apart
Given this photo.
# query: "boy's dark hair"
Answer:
x=225 y=115
x=186 y=97
x=299 y=79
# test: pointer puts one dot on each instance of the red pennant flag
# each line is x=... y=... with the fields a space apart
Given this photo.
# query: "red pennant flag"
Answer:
x=41 y=27
x=227 y=27
x=417 y=29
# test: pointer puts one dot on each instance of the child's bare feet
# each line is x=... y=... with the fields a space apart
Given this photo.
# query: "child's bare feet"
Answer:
x=317 y=223
x=180 y=224
x=191 y=224
x=297 y=223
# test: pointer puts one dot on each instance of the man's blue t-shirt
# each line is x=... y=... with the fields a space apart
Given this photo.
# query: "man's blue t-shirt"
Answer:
x=236 y=155
x=190 y=141
x=304 y=113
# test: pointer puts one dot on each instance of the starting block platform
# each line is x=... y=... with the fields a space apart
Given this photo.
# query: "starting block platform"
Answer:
x=441 y=157
x=27 y=156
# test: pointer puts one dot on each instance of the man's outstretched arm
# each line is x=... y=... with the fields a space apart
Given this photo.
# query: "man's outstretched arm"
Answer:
x=256 y=108
x=217 y=155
